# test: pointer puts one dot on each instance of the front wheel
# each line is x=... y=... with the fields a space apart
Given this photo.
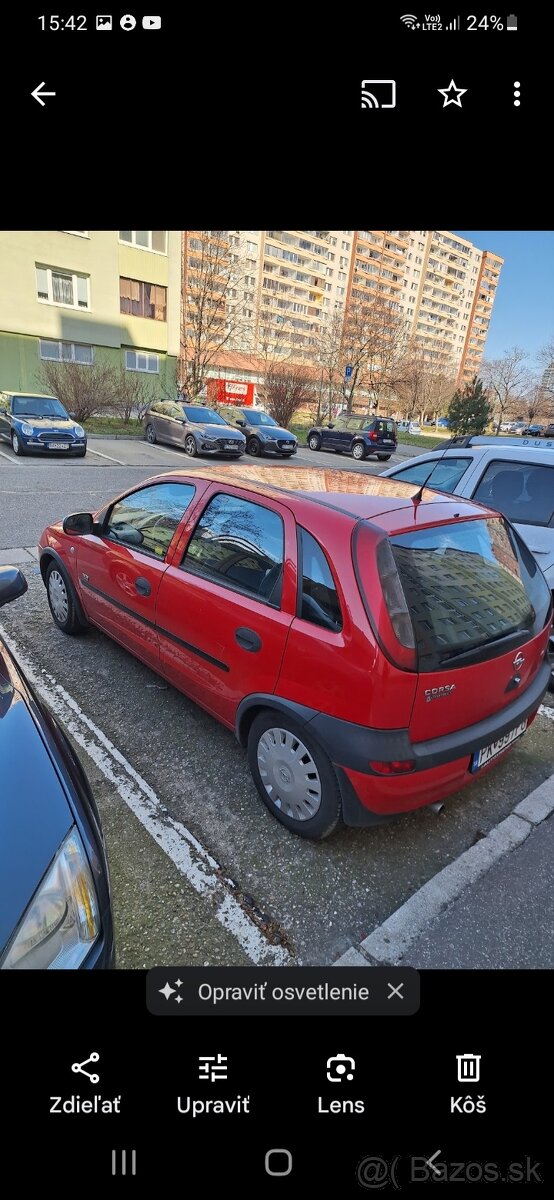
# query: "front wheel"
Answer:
x=358 y=451
x=151 y=435
x=253 y=447
x=17 y=445
x=383 y=457
x=61 y=599
x=190 y=446
x=294 y=776
x=314 y=441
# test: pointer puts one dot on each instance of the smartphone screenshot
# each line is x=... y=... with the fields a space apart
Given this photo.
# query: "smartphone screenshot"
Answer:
x=276 y=602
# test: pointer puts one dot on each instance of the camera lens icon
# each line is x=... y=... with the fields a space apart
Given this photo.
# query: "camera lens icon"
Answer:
x=339 y=1068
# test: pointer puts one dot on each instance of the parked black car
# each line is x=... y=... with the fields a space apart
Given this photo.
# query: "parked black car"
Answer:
x=358 y=436
x=263 y=434
x=548 y=432
x=55 y=909
x=36 y=424
x=196 y=429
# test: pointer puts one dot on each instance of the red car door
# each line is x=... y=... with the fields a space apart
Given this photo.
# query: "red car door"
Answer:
x=226 y=604
x=119 y=573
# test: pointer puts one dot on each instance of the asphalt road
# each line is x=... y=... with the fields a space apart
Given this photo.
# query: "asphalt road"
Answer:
x=250 y=886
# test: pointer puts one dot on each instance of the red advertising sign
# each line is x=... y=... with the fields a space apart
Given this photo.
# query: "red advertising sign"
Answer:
x=230 y=391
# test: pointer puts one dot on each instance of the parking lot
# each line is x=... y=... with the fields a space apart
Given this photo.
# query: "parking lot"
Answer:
x=200 y=870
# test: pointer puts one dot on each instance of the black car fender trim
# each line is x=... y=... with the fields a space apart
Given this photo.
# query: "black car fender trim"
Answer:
x=47 y=554
x=259 y=700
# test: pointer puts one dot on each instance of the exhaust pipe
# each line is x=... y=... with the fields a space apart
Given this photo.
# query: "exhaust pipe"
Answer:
x=437 y=807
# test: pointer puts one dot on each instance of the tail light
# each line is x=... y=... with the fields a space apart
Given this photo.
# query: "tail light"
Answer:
x=373 y=437
x=383 y=597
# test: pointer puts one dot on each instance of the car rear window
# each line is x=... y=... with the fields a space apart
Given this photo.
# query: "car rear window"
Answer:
x=386 y=428
x=467 y=585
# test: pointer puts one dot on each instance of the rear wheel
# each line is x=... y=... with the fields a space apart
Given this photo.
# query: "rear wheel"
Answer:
x=61 y=599
x=253 y=447
x=190 y=446
x=294 y=776
x=314 y=441
x=17 y=445
x=383 y=457
x=358 y=450
x=151 y=435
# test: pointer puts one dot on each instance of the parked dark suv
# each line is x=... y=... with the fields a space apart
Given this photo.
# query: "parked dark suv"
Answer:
x=358 y=436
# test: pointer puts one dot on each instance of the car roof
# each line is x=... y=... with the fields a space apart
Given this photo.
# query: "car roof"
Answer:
x=36 y=395
x=353 y=493
x=499 y=443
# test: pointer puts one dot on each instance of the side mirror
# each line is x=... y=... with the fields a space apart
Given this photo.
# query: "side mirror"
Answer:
x=73 y=416
x=330 y=426
x=13 y=584
x=239 y=421
x=80 y=523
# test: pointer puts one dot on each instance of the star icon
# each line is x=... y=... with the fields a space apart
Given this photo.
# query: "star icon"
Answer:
x=178 y=999
x=167 y=991
x=452 y=94
x=178 y=983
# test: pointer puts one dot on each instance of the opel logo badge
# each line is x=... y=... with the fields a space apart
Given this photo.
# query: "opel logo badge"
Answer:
x=518 y=661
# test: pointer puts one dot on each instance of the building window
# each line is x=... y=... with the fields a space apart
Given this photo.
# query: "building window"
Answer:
x=145 y=239
x=140 y=360
x=62 y=287
x=251 y=248
x=65 y=352
x=138 y=299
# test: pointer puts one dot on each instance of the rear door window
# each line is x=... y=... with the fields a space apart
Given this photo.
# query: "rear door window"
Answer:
x=384 y=428
x=240 y=545
x=467 y=585
x=522 y=491
x=444 y=474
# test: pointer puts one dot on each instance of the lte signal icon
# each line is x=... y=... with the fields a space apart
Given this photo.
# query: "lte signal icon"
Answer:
x=104 y=22
x=469 y=1068
x=151 y=22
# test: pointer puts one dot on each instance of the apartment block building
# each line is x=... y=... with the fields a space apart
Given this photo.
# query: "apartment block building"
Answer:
x=82 y=295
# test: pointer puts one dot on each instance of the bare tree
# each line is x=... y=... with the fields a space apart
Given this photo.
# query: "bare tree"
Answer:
x=373 y=345
x=506 y=379
x=287 y=386
x=214 y=306
x=133 y=394
x=84 y=390
x=538 y=403
x=328 y=346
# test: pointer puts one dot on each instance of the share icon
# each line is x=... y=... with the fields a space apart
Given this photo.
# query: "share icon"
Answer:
x=78 y=1068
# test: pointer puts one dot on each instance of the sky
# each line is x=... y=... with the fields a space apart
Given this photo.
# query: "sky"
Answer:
x=523 y=312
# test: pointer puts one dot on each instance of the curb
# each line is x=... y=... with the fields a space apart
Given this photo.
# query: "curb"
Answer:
x=115 y=437
x=389 y=942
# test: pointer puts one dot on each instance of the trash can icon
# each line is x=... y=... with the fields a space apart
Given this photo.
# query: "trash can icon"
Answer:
x=469 y=1068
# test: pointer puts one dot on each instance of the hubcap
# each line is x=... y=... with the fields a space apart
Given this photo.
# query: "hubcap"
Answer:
x=289 y=774
x=150 y=433
x=358 y=451
x=190 y=445
x=15 y=443
x=313 y=443
x=57 y=592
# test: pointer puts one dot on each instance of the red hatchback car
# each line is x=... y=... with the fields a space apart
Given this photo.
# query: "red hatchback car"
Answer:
x=374 y=648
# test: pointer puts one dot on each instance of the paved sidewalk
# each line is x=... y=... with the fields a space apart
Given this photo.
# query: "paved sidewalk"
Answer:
x=493 y=907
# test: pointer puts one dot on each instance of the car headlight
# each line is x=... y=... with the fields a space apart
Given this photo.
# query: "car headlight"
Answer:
x=62 y=921
x=78 y=429
x=27 y=429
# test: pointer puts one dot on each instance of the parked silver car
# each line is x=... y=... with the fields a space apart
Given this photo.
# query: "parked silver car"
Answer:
x=197 y=430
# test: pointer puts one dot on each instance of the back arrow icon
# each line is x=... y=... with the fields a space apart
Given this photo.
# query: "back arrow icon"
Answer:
x=38 y=93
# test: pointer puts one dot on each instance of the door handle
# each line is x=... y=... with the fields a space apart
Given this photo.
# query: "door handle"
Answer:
x=142 y=586
x=248 y=639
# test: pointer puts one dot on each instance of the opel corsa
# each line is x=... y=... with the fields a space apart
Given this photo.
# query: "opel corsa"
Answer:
x=374 y=646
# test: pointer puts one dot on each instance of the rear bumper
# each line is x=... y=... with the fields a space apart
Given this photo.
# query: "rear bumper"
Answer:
x=442 y=765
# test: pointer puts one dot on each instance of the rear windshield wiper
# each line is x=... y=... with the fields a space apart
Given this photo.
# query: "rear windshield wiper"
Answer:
x=481 y=648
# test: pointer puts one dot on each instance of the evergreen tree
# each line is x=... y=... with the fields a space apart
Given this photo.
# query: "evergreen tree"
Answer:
x=469 y=411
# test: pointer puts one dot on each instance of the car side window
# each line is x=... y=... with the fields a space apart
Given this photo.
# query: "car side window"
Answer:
x=146 y=520
x=446 y=473
x=239 y=544
x=318 y=599
x=522 y=491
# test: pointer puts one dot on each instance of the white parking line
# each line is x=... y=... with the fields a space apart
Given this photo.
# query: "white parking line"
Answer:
x=180 y=845
x=546 y=711
x=13 y=461
x=100 y=455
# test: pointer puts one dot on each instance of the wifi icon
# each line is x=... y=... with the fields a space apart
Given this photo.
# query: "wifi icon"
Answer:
x=409 y=20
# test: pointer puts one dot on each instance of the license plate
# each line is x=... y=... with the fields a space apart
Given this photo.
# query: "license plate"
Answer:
x=288 y=445
x=58 y=446
x=481 y=758
x=388 y=442
x=230 y=445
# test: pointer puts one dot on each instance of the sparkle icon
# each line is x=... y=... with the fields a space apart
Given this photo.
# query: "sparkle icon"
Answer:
x=167 y=991
x=452 y=94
